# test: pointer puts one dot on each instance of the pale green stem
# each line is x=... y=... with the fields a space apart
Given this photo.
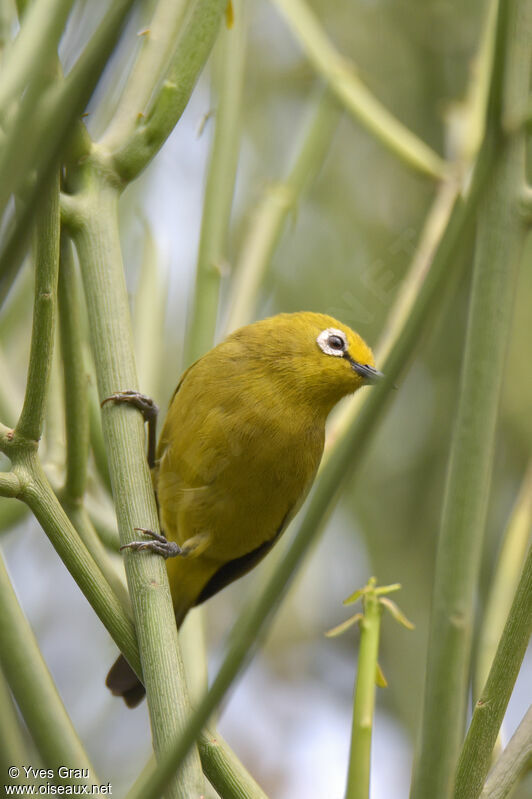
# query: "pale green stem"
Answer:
x=10 y=395
x=224 y=770
x=54 y=122
x=11 y=513
x=52 y=448
x=98 y=245
x=194 y=42
x=96 y=433
x=513 y=763
x=34 y=46
x=34 y=689
x=75 y=377
x=77 y=420
x=228 y=78
x=500 y=237
x=475 y=758
x=341 y=76
x=157 y=43
x=502 y=588
x=28 y=483
x=86 y=531
x=14 y=749
x=149 y=317
x=31 y=419
x=10 y=485
x=269 y=218
x=358 y=778
x=433 y=231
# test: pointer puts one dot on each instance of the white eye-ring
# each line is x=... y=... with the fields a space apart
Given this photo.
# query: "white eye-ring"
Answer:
x=332 y=342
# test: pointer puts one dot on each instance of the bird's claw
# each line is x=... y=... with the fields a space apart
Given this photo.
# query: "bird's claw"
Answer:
x=141 y=402
x=159 y=544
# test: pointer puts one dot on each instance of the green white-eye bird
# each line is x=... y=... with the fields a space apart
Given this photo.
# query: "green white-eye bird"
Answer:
x=239 y=451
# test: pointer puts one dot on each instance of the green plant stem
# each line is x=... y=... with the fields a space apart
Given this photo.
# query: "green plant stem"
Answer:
x=31 y=419
x=11 y=513
x=279 y=200
x=194 y=43
x=148 y=70
x=475 y=758
x=96 y=433
x=149 y=316
x=10 y=485
x=77 y=420
x=444 y=206
x=341 y=76
x=39 y=35
x=515 y=760
x=28 y=483
x=54 y=123
x=500 y=237
x=507 y=572
x=98 y=246
x=224 y=770
x=75 y=377
x=228 y=78
x=11 y=397
x=13 y=751
x=86 y=531
x=358 y=778
x=34 y=689
x=252 y=622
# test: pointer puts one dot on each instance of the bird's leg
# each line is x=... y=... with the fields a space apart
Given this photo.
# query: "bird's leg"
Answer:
x=195 y=546
x=149 y=411
x=159 y=544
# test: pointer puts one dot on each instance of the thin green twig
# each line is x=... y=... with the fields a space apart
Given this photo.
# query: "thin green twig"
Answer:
x=500 y=237
x=475 y=758
x=34 y=689
x=31 y=419
x=513 y=763
x=228 y=79
x=357 y=99
x=280 y=199
x=194 y=43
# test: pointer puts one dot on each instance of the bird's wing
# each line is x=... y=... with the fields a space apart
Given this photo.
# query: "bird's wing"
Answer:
x=233 y=569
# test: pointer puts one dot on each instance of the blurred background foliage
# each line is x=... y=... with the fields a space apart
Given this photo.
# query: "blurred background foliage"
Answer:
x=344 y=251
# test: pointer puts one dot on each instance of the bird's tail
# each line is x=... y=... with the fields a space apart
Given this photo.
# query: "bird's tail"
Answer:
x=122 y=680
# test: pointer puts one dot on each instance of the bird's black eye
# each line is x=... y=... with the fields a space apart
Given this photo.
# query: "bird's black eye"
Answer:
x=336 y=343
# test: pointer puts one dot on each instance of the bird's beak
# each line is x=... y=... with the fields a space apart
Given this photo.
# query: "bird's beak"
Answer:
x=366 y=371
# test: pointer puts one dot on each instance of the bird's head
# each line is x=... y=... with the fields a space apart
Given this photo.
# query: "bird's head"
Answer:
x=310 y=355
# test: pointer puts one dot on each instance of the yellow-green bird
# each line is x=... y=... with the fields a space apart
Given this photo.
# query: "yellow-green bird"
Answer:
x=239 y=451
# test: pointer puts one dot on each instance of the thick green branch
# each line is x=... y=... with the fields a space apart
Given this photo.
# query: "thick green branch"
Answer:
x=98 y=246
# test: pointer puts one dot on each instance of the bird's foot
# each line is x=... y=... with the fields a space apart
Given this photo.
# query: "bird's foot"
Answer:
x=159 y=544
x=141 y=402
x=149 y=411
